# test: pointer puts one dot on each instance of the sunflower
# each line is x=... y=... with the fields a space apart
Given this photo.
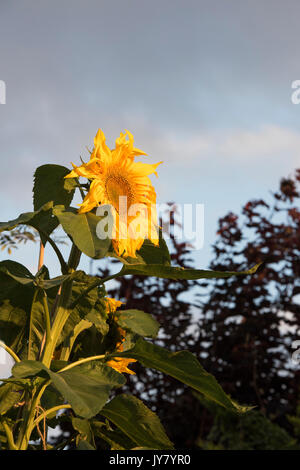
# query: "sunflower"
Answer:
x=124 y=184
x=120 y=364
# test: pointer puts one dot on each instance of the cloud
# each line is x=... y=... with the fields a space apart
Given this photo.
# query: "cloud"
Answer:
x=236 y=145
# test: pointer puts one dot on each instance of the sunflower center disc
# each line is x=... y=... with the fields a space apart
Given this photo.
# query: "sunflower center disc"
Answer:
x=116 y=187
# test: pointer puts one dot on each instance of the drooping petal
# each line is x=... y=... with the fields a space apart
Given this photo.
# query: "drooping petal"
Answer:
x=114 y=175
x=144 y=169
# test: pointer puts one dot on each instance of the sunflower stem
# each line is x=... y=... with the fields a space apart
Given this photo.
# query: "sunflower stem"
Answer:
x=82 y=361
x=63 y=308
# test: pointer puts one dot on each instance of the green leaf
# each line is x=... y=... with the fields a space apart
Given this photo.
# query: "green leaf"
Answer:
x=37 y=325
x=20 y=273
x=98 y=317
x=51 y=398
x=15 y=304
x=171 y=272
x=115 y=438
x=10 y=395
x=16 y=271
x=55 y=281
x=82 y=230
x=71 y=338
x=138 y=322
x=184 y=367
x=13 y=321
x=50 y=185
x=139 y=423
x=38 y=220
x=90 y=307
x=152 y=254
x=84 y=429
x=85 y=387
x=84 y=445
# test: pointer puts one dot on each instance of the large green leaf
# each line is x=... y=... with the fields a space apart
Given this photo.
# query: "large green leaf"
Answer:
x=82 y=230
x=12 y=325
x=15 y=304
x=50 y=185
x=17 y=271
x=115 y=438
x=84 y=429
x=139 y=423
x=85 y=387
x=20 y=273
x=138 y=322
x=171 y=272
x=10 y=394
x=84 y=445
x=90 y=309
x=37 y=325
x=152 y=254
x=184 y=367
x=72 y=336
x=38 y=219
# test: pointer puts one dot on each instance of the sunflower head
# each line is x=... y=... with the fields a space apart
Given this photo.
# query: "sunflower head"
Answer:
x=120 y=364
x=116 y=179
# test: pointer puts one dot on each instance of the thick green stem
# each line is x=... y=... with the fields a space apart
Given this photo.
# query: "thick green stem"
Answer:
x=47 y=317
x=63 y=308
x=9 y=436
x=28 y=420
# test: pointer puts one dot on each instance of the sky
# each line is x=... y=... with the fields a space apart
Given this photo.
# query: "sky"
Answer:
x=204 y=86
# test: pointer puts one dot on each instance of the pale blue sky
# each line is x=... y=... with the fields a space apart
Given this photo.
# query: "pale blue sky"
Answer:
x=204 y=86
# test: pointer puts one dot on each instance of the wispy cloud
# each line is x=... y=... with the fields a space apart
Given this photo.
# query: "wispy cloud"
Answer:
x=268 y=142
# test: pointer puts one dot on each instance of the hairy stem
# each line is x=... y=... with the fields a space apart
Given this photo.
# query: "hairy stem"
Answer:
x=28 y=420
x=63 y=308
x=82 y=361
x=9 y=436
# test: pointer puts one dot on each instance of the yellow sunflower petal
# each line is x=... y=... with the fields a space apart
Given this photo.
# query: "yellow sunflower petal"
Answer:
x=144 y=169
x=120 y=364
x=100 y=148
x=114 y=175
x=112 y=304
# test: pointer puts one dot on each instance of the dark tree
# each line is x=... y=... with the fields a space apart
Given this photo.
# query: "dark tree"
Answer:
x=249 y=323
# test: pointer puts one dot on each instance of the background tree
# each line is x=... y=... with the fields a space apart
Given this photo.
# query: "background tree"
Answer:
x=248 y=325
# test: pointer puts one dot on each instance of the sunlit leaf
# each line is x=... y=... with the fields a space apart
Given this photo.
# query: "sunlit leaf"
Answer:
x=139 y=423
